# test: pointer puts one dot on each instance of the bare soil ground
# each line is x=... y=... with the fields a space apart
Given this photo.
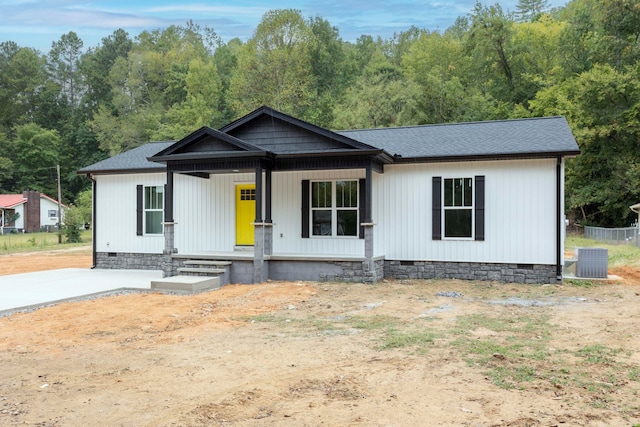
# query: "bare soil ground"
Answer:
x=398 y=353
x=78 y=257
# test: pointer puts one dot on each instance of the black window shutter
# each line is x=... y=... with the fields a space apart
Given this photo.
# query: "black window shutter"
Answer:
x=436 y=208
x=305 y=208
x=479 y=207
x=362 y=204
x=139 y=209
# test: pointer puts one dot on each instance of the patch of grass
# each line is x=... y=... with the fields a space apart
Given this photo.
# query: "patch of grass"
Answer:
x=581 y=283
x=511 y=360
x=618 y=255
x=598 y=354
x=372 y=322
x=421 y=339
x=519 y=324
x=309 y=324
x=28 y=242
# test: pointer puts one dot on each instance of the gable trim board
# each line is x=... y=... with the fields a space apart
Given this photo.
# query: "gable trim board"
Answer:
x=399 y=174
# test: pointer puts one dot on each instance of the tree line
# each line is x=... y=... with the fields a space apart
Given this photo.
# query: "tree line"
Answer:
x=74 y=106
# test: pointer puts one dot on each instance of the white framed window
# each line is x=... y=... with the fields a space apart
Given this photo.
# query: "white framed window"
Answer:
x=153 y=209
x=53 y=213
x=334 y=208
x=457 y=207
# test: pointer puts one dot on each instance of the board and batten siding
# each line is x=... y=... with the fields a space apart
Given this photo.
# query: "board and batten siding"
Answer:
x=205 y=211
x=520 y=212
x=115 y=222
x=287 y=216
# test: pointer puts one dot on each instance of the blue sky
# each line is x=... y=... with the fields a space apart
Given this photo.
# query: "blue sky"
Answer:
x=37 y=23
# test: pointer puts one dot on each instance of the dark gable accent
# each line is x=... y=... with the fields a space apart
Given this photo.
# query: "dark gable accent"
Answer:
x=479 y=208
x=280 y=137
x=436 y=208
x=208 y=144
x=206 y=140
x=139 y=209
x=306 y=199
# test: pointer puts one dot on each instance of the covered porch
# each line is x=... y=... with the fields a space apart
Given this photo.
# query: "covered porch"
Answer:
x=249 y=155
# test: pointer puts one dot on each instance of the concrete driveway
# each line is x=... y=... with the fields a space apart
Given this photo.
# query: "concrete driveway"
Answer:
x=33 y=290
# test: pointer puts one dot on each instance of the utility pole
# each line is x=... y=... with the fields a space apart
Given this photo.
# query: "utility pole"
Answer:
x=59 y=207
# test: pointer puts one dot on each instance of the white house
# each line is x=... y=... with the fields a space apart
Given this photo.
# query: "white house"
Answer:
x=30 y=211
x=280 y=198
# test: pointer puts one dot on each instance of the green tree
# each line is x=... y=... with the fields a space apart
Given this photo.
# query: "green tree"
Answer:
x=35 y=154
x=488 y=43
x=530 y=10
x=620 y=42
x=328 y=67
x=64 y=67
x=22 y=75
x=439 y=66
x=602 y=106
x=381 y=97
x=201 y=106
x=96 y=66
x=274 y=67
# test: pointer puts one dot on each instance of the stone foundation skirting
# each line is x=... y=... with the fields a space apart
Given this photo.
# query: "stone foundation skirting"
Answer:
x=507 y=273
x=352 y=271
x=129 y=261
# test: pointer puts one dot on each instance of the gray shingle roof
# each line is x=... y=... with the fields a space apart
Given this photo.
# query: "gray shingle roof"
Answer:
x=132 y=160
x=501 y=138
x=547 y=135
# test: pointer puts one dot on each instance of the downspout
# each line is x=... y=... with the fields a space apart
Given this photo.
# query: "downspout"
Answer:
x=559 y=219
x=94 y=212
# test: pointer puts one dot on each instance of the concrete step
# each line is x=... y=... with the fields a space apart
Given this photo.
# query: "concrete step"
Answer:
x=207 y=262
x=190 y=284
x=212 y=271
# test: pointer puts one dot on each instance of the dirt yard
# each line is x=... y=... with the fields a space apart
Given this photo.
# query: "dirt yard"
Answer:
x=415 y=353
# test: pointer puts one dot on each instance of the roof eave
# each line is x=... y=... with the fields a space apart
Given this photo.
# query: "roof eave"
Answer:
x=209 y=155
x=333 y=153
x=158 y=168
x=477 y=157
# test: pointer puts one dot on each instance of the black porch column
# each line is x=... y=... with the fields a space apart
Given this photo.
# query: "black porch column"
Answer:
x=267 y=202
x=372 y=271
x=168 y=224
x=258 y=194
x=368 y=188
x=168 y=198
x=261 y=243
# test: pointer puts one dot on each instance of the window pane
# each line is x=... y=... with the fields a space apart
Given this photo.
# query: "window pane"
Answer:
x=457 y=192
x=347 y=223
x=153 y=197
x=347 y=194
x=457 y=223
x=468 y=192
x=153 y=222
x=321 y=223
x=321 y=194
x=448 y=192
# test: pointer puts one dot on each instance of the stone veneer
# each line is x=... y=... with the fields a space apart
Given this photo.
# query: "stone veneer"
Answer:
x=355 y=272
x=129 y=261
x=508 y=273
x=346 y=271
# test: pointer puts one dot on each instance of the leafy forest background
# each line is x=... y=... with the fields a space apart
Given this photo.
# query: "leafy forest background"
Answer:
x=74 y=106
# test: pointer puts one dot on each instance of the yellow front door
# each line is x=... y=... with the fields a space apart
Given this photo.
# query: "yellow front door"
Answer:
x=245 y=213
